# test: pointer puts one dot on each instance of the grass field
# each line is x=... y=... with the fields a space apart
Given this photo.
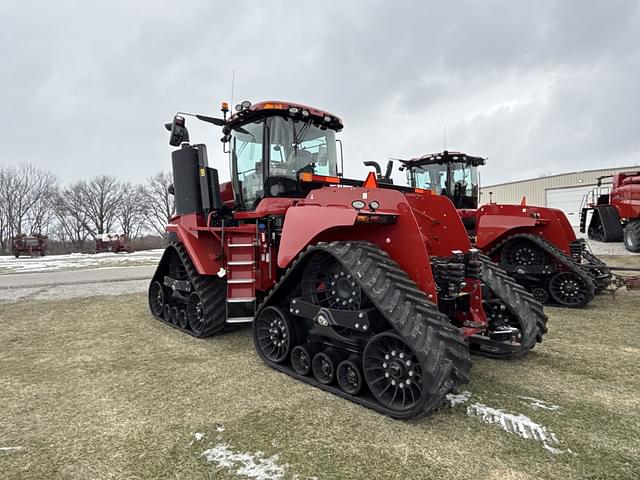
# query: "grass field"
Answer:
x=95 y=388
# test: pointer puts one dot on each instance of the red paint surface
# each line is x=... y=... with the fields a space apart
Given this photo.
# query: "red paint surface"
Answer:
x=625 y=194
x=496 y=222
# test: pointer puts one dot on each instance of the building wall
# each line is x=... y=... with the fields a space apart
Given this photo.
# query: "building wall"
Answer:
x=534 y=189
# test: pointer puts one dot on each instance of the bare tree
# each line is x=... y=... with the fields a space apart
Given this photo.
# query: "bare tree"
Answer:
x=4 y=215
x=26 y=201
x=73 y=221
x=160 y=203
x=101 y=199
x=131 y=214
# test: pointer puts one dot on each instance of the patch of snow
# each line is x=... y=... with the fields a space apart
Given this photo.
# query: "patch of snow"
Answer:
x=9 y=264
x=246 y=464
x=517 y=424
x=458 y=399
x=8 y=450
x=514 y=423
x=199 y=436
x=540 y=404
x=219 y=429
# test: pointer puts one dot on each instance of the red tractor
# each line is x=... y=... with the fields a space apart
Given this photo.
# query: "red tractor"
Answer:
x=616 y=211
x=113 y=242
x=32 y=245
x=367 y=290
x=536 y=245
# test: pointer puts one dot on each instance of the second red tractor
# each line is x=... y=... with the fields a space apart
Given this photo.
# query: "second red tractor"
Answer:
x=536 y=245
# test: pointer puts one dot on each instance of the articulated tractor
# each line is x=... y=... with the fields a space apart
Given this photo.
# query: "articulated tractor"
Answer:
x=536 y=245
x=367 y=290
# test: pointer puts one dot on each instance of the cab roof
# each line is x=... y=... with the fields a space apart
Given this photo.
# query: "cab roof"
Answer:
x=443 y=158
x=279 y=107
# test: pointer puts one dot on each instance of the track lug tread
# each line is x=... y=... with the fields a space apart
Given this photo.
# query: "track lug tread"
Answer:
x=407 y=310
x=560 y=256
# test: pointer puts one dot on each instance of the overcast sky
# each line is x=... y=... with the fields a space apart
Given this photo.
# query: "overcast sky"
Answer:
x=538 y=87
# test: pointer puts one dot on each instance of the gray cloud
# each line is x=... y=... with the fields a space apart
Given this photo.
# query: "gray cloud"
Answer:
x=540 y=88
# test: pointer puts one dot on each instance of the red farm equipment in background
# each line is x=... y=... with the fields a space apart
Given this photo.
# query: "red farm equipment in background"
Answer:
x=615 y=211
x=113 y=242
x=32 y=245
x=536 y=245
x=367 y=290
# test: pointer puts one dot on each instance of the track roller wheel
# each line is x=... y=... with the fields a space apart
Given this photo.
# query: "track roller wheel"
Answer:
x=568 y=289
x=156 y=299
x=195 y=314
x=349 y=377
x=174 y=315
x=166 y=312
x=393 y=372
x=324 y=366
x=273 y=334
x=302 y=356
x=182 y=319
x=540 y=294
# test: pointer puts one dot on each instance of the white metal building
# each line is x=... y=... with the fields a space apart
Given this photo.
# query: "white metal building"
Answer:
x=564 y=191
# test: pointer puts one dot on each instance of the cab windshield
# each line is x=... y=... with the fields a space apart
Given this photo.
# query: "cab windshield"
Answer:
x=456 y=180
x=291 y=146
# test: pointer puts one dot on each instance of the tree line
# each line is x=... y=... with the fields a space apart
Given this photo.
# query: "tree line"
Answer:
x=32 y=201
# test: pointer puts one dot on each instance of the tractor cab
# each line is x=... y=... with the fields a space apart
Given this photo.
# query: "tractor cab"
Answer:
x=272 y=143
x=452 y=174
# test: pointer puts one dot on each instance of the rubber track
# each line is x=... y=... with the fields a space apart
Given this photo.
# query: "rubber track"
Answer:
x=611 y=226
x=559 y=256
x=596 y=268
x=212 y=293
x=521 y=303
x=406 y=308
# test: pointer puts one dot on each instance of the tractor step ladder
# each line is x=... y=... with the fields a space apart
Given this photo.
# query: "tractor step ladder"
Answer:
x=241 y=284
x=583 y=219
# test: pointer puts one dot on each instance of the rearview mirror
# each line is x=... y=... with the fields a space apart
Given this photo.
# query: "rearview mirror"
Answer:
x=179 y=132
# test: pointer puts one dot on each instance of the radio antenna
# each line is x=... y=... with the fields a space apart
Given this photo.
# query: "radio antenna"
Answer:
x=233 y=84
x=444 y=138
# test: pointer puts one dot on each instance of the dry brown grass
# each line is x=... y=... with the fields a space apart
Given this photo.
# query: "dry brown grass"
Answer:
x=95 y=388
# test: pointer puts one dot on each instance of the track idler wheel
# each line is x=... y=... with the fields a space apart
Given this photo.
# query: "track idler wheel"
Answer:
x=393 y=372
x=274 y=334
x=156 y=299
x=324 y=366
x=195 y=313
x=349 y=377
x=302 y=356
x=568 y=289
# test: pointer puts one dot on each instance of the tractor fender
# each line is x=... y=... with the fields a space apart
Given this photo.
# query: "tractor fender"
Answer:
x=327 y=215
x=496 y=222
x=306 y=222
x=204 y=249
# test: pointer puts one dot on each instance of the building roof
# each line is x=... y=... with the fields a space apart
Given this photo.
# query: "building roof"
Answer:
x=607 y=169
